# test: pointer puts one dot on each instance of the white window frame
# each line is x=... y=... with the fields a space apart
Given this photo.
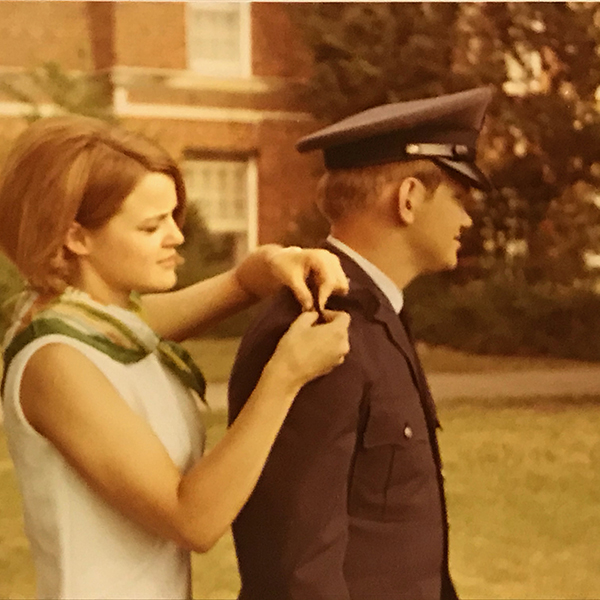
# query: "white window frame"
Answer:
x=220 y=68
x=245 y=230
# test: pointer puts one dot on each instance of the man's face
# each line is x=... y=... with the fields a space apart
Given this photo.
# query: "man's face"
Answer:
x=439 y=222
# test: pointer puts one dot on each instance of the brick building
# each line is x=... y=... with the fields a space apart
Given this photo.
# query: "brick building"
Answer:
x=216 y=83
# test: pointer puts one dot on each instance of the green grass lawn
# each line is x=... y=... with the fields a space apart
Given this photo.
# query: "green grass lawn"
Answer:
x=523 y=490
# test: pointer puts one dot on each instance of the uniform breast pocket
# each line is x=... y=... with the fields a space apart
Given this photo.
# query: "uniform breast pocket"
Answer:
x=394 y=466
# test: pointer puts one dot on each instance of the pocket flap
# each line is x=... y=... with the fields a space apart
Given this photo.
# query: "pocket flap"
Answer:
x=388 y=424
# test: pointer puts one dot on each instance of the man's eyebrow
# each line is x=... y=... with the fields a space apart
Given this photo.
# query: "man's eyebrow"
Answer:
x=464 y=195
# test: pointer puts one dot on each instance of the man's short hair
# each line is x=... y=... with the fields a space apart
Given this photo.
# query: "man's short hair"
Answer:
x=344 y=191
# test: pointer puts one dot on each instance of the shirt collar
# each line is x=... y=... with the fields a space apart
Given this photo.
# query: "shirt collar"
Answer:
x=383 y=282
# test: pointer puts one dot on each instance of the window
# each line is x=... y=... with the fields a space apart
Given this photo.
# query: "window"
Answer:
x=218 y=38
x=224 y=192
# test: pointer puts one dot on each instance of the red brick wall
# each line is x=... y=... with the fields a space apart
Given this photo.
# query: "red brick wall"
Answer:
x=36 y=32
x=101 y=19
x=150 y=34
x=287 y=179
x=176 y=136
x=277 y=48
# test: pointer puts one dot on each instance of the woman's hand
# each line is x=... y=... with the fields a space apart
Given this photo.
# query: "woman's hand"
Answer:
x=270 y=267
x=308 y=350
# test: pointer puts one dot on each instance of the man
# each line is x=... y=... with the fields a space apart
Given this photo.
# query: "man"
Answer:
x=350 y=505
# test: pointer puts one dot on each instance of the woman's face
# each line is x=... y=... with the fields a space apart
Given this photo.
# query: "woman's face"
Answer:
x=137 y=248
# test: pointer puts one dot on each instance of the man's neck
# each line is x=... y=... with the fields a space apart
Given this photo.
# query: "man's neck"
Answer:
x=383 y=248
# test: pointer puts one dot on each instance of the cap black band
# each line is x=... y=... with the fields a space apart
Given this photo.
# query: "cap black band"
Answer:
x=390 y=147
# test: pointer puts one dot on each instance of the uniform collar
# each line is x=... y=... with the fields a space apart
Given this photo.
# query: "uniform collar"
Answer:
x=381 y=280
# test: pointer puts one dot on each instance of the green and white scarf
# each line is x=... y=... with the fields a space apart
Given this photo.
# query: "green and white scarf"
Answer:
x=120 y=333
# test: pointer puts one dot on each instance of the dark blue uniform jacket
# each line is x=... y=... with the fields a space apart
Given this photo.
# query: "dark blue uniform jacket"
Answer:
x=350 y=504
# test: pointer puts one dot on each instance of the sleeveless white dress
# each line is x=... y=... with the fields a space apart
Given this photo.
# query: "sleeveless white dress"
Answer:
x=81 y=547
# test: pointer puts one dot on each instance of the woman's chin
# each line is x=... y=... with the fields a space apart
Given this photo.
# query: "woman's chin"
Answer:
x=158 y=287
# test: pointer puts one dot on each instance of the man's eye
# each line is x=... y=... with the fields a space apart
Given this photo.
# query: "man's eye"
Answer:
x=151 y=229
x=465 y=200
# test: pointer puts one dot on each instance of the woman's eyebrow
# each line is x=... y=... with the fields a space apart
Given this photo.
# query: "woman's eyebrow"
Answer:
x=159 y=217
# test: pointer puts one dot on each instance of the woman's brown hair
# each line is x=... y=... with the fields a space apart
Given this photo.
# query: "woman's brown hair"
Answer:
x=65 y=169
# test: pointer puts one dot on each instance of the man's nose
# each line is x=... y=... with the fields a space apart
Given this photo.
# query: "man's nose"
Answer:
x=466 y=222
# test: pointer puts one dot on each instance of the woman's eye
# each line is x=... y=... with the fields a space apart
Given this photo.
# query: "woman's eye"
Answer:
x=152 y=229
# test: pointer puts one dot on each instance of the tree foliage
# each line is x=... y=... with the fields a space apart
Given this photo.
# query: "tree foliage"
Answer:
x=205 y=253
x=541 y=139
x=51 y=85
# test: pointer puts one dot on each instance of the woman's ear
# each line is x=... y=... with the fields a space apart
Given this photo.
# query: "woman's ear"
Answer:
x=411 y=194
x=76 y=240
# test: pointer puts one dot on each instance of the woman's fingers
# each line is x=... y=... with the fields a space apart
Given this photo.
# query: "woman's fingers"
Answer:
x=323 y=272
x=308 y=349
x=264 y=271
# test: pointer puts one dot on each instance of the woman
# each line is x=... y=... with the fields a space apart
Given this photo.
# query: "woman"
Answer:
x=99 y=412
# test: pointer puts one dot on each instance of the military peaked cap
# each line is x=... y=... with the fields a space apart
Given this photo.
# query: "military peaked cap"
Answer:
x=443 y=129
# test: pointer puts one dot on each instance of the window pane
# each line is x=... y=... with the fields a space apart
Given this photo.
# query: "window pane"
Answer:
x=214 y=37
x=220 y=191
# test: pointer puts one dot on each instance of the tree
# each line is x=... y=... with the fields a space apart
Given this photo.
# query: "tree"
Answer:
x=543 y=128
x=78 y=93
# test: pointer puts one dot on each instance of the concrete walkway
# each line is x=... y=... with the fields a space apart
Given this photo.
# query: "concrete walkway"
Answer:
x=579 y=381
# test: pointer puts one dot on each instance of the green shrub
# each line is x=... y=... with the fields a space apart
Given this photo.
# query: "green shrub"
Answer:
x=507 y=317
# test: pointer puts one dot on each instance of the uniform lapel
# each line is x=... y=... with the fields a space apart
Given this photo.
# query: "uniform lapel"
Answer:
x=400 y=337
x=365 y=292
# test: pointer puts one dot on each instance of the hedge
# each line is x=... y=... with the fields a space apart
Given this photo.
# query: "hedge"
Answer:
x=506 y=317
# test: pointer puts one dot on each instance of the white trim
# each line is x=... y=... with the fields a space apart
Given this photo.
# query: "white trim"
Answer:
x=120 y=99
x=24 y=109
x=184 y=112
x=246 y=38
x=178 y=112
x=129 y=77
x=187 y=79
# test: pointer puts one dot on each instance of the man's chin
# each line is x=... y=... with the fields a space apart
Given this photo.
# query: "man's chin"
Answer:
x=447 y=265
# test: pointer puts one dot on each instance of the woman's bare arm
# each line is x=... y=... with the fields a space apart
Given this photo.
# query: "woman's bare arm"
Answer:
x=187 y=312
x=68 y=400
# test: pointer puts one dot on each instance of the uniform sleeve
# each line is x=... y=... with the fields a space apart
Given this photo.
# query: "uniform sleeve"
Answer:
x=291 y=536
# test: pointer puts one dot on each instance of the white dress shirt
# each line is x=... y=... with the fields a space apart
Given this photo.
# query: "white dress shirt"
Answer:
x=381 y=280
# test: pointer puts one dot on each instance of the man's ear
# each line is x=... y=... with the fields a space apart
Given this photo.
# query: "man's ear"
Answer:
x=411 y=194
x=76 y=240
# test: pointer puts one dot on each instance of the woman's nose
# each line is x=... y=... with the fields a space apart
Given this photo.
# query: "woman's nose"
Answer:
x=175 y=236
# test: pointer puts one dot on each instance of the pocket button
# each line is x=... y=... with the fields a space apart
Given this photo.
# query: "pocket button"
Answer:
x=408 y=432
